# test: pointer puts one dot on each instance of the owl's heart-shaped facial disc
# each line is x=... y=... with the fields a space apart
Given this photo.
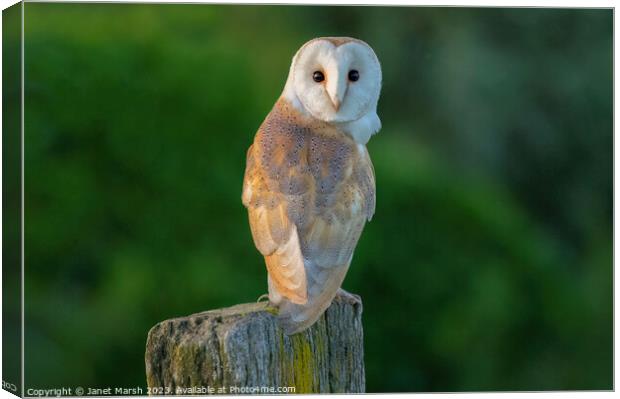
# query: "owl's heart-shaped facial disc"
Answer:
x=335 y=79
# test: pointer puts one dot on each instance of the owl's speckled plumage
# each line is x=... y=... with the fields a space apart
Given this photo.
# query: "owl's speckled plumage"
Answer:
x=309 y=188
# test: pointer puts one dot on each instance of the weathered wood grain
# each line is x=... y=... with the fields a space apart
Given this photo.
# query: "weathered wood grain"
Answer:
x=242 y=349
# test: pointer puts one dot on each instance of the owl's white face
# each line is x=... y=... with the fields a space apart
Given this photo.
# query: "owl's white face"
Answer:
x=335 y=79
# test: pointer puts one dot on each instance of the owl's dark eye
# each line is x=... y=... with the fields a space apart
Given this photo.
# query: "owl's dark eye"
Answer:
x=354 y=75
x=318 y=76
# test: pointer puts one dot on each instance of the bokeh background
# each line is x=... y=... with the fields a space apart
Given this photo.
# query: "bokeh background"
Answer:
x=488 y=265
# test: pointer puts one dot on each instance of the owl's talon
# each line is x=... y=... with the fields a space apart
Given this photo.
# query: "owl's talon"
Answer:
x=348 y=295
x=262 y=297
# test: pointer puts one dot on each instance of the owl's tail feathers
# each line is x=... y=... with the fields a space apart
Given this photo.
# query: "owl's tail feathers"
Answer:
x=294 y=318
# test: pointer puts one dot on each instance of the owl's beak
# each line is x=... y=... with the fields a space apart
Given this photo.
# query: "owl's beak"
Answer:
x=336 y=89
x=335 y=103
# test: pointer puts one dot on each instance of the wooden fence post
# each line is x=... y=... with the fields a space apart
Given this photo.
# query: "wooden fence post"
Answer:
x=242 y=349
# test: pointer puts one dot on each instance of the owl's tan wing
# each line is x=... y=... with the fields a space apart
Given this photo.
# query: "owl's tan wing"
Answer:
x=274 y=234
x=343 y=200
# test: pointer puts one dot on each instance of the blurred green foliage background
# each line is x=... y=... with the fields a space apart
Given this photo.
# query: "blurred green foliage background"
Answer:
x=488 y=265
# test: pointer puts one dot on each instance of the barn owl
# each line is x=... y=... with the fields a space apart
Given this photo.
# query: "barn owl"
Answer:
x=309 y=184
